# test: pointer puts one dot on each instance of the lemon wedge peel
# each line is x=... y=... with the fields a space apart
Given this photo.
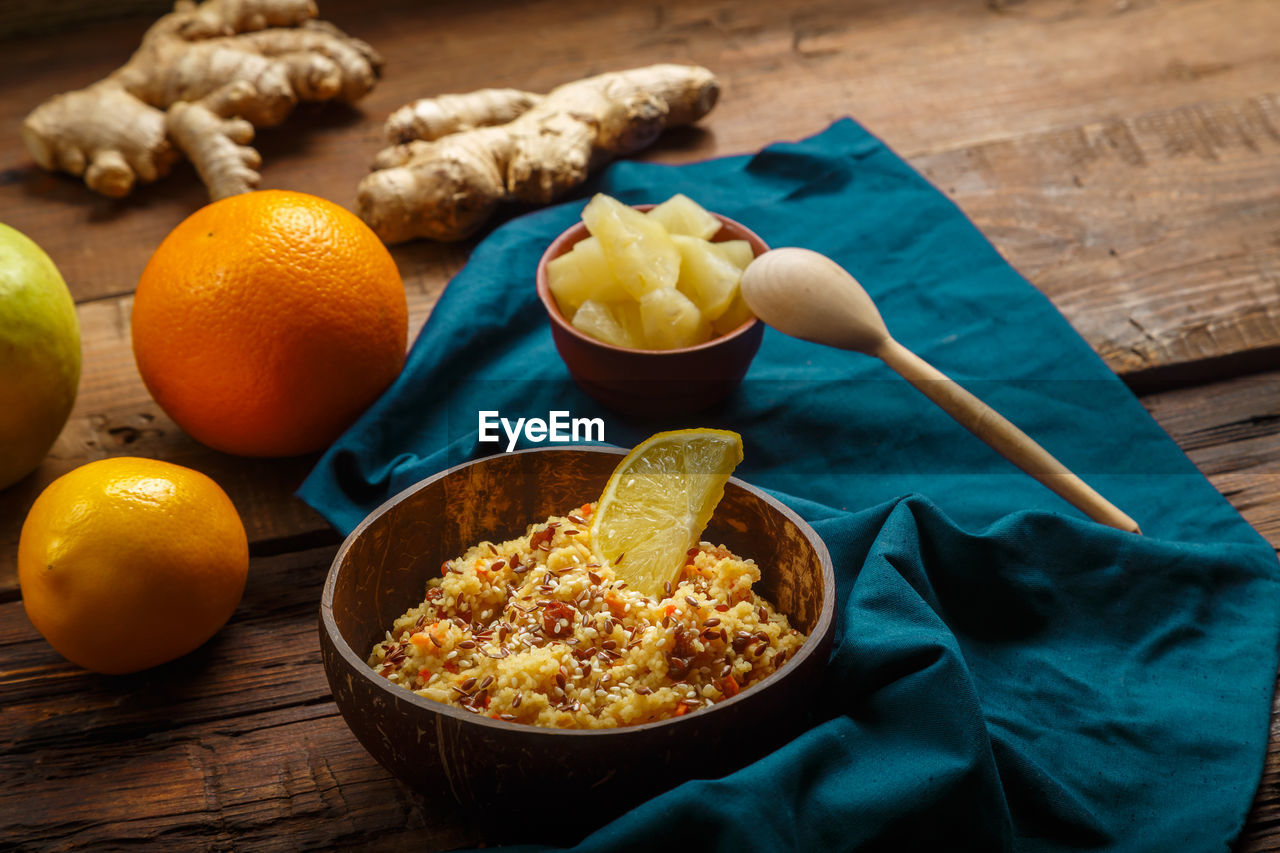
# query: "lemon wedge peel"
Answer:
x=658 y=502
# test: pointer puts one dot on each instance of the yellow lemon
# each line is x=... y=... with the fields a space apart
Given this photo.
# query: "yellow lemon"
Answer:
x=126 y=563
x=658 y=501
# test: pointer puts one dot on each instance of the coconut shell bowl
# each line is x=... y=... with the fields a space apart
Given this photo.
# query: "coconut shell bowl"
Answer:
x=523 y=782
x=652 y=382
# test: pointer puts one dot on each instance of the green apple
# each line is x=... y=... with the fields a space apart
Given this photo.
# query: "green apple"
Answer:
x=39 y=355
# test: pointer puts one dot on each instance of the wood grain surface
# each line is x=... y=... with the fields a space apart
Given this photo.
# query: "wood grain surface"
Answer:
x=1124 y=155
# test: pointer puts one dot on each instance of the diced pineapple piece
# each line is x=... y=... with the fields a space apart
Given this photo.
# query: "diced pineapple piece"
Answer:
x=737 y=314
x=566 y=283
x=671 y=320
x=706 y=276
x=738 y=252
x=602 y=284
x=628 y=314
x=601 y=321
x=583 y=274
x=637 y=248
x=682 y=215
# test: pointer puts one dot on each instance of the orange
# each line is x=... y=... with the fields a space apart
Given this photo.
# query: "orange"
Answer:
x=126 y=563
x=267 y=322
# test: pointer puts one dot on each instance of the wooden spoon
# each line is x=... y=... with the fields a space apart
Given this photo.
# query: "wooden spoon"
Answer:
x=809 y=296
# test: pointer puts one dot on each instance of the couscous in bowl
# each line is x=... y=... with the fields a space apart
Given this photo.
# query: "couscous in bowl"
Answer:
x=483 y=762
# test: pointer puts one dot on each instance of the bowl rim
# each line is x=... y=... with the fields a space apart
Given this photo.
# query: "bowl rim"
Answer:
x=328 y=624
x=571 y=236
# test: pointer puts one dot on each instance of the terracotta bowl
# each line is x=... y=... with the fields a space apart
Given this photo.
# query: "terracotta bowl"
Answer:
x=652 y=382
x=552 y=784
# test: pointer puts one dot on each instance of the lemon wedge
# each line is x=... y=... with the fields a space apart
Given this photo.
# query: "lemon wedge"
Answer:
x=658 y=501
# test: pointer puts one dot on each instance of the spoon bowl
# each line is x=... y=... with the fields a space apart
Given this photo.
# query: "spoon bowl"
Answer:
x=809 y=296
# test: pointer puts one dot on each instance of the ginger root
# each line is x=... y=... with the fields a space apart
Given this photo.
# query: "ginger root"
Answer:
x=204 y=77
x=455 y=158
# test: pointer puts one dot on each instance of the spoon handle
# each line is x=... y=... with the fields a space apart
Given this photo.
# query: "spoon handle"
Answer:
x=1009 y=441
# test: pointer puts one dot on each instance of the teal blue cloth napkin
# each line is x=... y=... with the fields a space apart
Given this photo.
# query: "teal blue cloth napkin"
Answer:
x=1006 y=674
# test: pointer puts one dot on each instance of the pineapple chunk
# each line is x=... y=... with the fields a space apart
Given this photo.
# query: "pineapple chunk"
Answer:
x=604 y=285
x=671 y=320
x=706 y=276
x=628 y=314
x=737 y=314
x=601 y=321
x=637 y=248
x=566 y=283
x=737 y=252
x=583 y=274
x=682 y=215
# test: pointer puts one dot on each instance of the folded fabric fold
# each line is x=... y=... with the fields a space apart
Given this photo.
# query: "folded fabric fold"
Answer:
x=1006 y=675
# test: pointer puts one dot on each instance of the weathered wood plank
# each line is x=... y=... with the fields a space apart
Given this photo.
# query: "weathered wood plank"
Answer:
x=1154 y=234
x=269 y=651
x=289 y=779
x=1231 y=431
x=1130 y=75
x=235 y=746
x=26 y=17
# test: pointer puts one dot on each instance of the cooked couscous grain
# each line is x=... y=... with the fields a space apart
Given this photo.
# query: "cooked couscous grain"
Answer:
x=536 y=630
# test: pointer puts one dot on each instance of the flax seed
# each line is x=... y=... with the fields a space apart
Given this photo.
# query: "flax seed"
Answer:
x=561 y=610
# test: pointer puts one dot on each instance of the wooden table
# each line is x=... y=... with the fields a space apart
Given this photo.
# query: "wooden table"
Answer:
x=1123 y=154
